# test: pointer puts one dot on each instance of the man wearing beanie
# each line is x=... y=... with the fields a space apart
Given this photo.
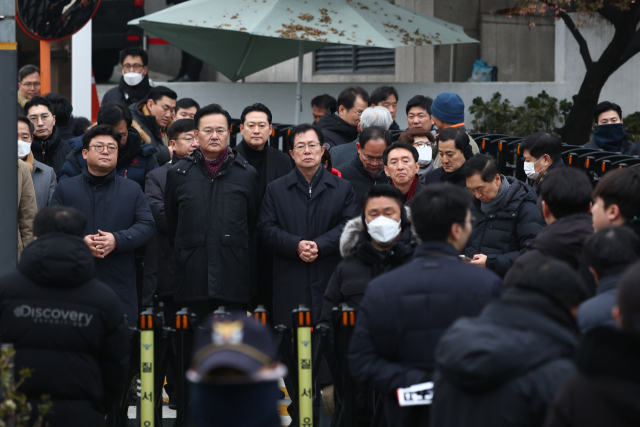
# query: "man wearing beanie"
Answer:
x=447 y=111
x=504 y=367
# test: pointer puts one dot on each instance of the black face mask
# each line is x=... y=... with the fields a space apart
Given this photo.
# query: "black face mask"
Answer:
x=609 y=137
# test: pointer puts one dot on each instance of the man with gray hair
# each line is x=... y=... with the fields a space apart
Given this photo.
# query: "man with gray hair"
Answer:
x=371 y=116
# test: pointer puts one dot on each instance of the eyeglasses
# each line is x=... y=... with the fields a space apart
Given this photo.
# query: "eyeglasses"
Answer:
x=311 y=145
x=359 y=113
x=31 y=85
x=372 y=160
x=44 y=117
x=422 y=144
x=135 y=67
x=209 y=131
x=99 y=148
x=252 y=125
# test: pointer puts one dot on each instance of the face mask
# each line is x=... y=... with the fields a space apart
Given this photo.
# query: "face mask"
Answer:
x=609 y=137
x=24 y=148
x=383 y=229
x=530 y=170
x=424 y=155
x=133 y=79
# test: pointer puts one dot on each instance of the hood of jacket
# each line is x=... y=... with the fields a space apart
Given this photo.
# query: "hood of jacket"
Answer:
x=331 y=121
x=564 y=238
x=144 y=110
x=517 y=194
x=57 y=260
x=505 y=342
x=143 y=135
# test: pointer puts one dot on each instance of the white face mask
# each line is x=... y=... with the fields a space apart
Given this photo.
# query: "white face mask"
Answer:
x=530 y=170
x=424 y=155
x=133 y=79
x=24 y=148
x=383 y=229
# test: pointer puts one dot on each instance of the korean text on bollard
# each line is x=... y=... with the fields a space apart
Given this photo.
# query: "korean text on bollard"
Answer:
x=302 y=322
x=147 y=416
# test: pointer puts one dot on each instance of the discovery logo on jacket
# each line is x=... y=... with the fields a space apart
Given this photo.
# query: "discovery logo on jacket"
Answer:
x=54 y=315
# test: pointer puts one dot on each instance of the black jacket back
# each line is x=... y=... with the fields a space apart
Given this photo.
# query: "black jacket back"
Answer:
x=335 y=130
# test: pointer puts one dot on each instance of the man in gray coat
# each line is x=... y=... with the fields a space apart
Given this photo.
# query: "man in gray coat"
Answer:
x=43 y=176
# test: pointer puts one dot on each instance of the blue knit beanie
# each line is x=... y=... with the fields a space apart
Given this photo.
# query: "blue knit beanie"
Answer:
x=448 y=108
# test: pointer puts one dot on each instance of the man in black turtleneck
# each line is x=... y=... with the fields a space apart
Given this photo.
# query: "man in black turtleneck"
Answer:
x=270 y=164
x=134 y=84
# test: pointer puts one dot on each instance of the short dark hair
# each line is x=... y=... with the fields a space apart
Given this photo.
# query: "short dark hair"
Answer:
x=323 y=101
x=99 y=130
x=26 y=70
x=348 y=97
x=421 y=101
x=541 y=143
x=611 y=250
x=23 y=119
x=374 y=132
x=62 y=108
x=326 y=157
x=620 y=187
x=186 y=103
x=628 y=299
x=383 y=190
x=436 y=208
x=566 y=191
x=181 y=126
x=134 y=51
x=409 y=135
x=480 y=164
x=459 y=137
x=36 y=101
x=256 y=107
x=159 y=92
x=381 y=94
x=605 y=106
x=210 y=110
x=79 y=125
x=390 y=148
x=59 y=219
x=303 y=128
x=112 y=114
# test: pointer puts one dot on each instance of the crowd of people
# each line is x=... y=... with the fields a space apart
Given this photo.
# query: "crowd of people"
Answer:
x=518 y=300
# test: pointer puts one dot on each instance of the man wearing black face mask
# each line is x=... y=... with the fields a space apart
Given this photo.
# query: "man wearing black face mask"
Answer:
x=609 y=134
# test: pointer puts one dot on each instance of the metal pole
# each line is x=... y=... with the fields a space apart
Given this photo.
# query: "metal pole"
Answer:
x=81 y=72
x=299 y=84
x=452 y=62
x=45 y=67
x=8 y=165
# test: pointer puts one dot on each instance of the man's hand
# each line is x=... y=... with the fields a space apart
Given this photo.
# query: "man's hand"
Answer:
x=106 y=242
x=89 y=239
x=480 y=260
x=307 y=250
x=328 y=400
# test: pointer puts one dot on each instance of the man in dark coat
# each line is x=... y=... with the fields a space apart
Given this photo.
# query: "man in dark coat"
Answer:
x=507 y=218
x=542 y=153
x=64 y=324
x=405 y=311
x=62 y=110
x=609 y=133
x=339 y=124
x=47 y=146
x=607 y=253
x=453 y=151
x=301 y=220
x=566 y=202
x=211 y=211
x=616 y=200
x=401 y=165
x=135 y=158
x=270 y=164
x=604 y=389
x=119 y=219
x=152 y=118
x=503 y=368
x=134 y=84
x=366 y=169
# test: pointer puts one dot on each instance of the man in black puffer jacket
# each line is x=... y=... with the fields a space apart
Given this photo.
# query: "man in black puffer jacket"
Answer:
x=507 y=218
x=339 y=124
x=503 y=368
x=64 y=324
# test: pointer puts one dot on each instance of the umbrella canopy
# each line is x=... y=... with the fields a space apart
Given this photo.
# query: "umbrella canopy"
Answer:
x=241 y=37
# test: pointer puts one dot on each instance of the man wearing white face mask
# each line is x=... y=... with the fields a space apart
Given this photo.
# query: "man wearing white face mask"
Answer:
x=424 y=141
x=542 y=152
x=134 y=84
x=43 y=176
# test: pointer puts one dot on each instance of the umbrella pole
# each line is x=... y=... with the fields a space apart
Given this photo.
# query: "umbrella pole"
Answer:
x=299 y=84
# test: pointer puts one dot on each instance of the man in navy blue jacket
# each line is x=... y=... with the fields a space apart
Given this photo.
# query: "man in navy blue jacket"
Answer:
x=404 y=312
x=118 y=216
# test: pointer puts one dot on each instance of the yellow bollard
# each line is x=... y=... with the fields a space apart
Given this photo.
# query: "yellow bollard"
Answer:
x=147 y=417
x=305 y=383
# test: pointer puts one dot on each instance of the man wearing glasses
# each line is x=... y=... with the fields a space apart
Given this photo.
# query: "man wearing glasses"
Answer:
x=28 y=85
x=301 y=220
x=118 y=216
x=211 y=212
x=340 y=124
x=134 y=84
x=47 y=145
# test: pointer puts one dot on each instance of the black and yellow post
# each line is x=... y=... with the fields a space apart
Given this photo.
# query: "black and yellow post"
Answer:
x=147 y=415
x=184 y=331
x=302 y=324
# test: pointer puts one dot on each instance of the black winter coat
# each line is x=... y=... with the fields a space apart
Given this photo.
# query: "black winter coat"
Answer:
x=360 y=180
x=505 y=235
x=149 y=126
x=605 y=389
x=116 y=206
x=51 y=151
x=627 y=148
x=335 y=130
x=402 y=316
x=210 y=223
x=293 y=210
x=503 y=368
x=563 y=239
x=596 y=311
x=66 y=326
x=438 y=176
x=134 y=93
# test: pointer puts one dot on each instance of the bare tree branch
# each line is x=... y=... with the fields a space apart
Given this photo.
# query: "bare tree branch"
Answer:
x=584 y=48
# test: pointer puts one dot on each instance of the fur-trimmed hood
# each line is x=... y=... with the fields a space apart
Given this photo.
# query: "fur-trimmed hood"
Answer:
x=145 y=137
